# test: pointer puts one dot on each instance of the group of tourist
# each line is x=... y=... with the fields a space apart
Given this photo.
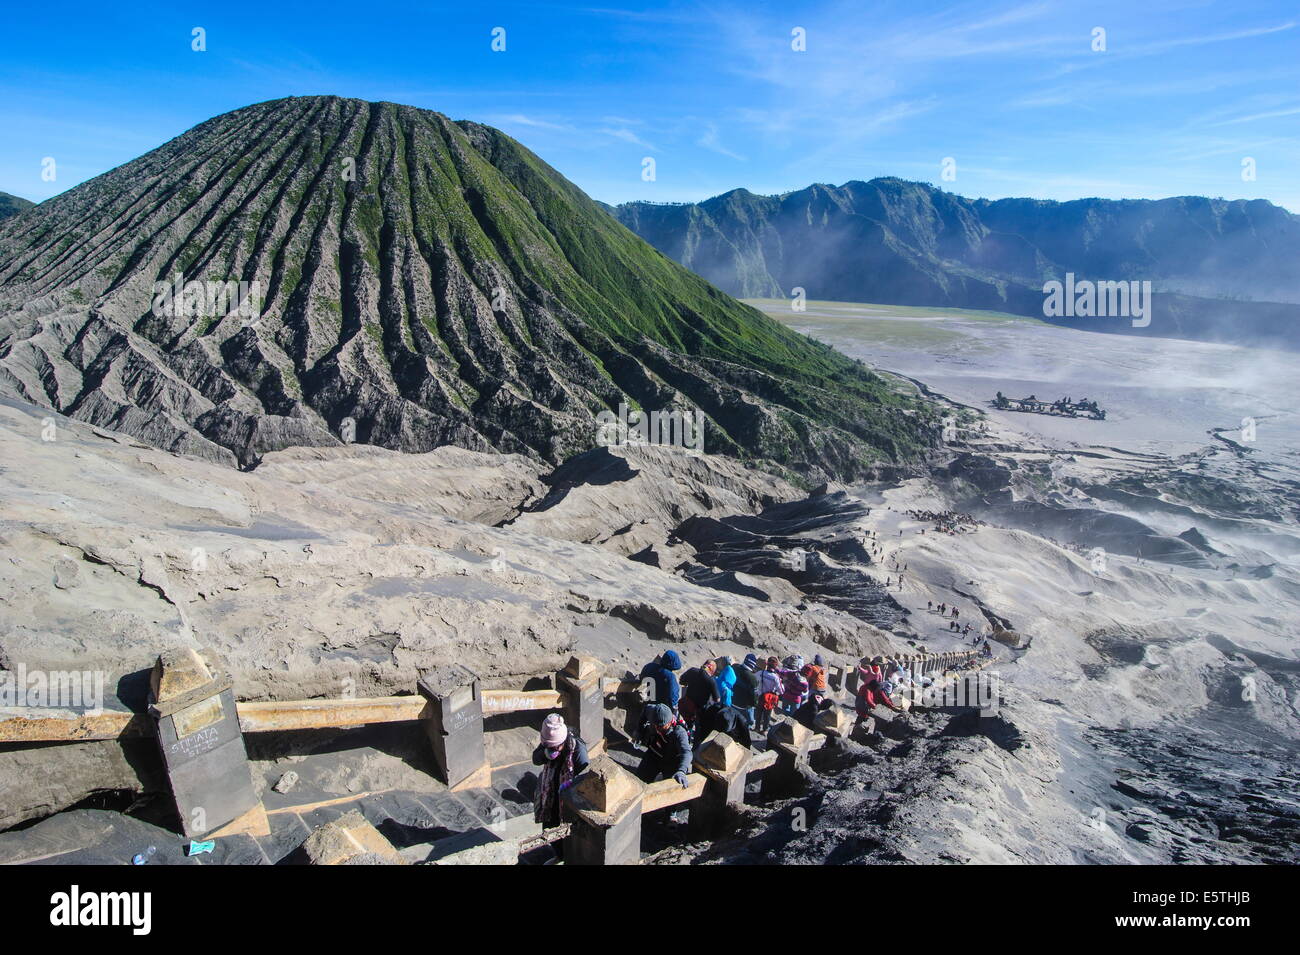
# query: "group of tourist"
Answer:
x=719 y=694
x=946 y=522
x=736 y=698
x=756 y=690
x=950 y=614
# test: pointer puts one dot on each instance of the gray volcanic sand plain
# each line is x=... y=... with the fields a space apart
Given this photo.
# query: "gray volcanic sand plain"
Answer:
x=1160 y=394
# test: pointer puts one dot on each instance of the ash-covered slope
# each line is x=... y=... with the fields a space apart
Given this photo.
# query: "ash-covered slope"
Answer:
x=433 y=281
x=1221 y=270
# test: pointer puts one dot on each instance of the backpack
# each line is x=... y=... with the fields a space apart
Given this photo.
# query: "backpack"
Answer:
x=795 y=687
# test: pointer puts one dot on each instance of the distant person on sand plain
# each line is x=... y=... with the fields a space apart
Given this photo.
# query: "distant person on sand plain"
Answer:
x=668 y=748
x=563 y=757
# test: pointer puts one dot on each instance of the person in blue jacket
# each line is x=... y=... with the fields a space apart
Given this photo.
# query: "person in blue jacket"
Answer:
x=726 y=679
x=667 y=690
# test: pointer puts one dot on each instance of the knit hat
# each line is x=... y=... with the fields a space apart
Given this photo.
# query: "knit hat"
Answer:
x=751 y=661
x=818 y=660
x=657 y=714
x=554 y=732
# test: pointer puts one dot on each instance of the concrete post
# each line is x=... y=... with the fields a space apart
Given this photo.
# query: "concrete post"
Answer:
x=835 y=721
x=580 y=681
x=835 y=681
x=724 y=763
x=455 y=726
x=201 y=743
x=605 y=806
x=792 y=742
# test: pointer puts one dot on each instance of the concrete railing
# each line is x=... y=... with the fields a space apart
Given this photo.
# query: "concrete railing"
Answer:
x=199 y=728
x=262 y=716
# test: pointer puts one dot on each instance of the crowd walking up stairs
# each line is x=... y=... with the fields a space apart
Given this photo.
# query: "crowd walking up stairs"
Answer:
x=199 y=727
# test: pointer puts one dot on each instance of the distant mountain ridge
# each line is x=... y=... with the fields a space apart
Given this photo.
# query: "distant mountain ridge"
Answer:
x=421 y=282
x=12 y=205
x=1221 y=269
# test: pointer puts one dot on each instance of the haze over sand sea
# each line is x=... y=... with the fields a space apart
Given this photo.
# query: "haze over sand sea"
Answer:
x=1160 y=395
x=1160 y=693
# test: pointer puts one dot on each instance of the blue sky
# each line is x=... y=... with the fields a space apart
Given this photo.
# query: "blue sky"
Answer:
x=714 y=92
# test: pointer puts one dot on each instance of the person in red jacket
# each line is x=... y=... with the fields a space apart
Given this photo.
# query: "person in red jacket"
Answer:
x=872 y=691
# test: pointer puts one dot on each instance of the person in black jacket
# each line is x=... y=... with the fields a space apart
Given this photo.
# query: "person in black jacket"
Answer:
x=668 y=748
x=807 y=713
x=745 y=693
x=563 y=757
x=699 y=689
x=731 y=720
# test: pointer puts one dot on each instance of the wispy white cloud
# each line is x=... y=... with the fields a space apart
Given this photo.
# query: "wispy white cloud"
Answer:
x=1272 y=114
x=1159 y=46
x=520 y=119
x=709 y=140
x=625 y=135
